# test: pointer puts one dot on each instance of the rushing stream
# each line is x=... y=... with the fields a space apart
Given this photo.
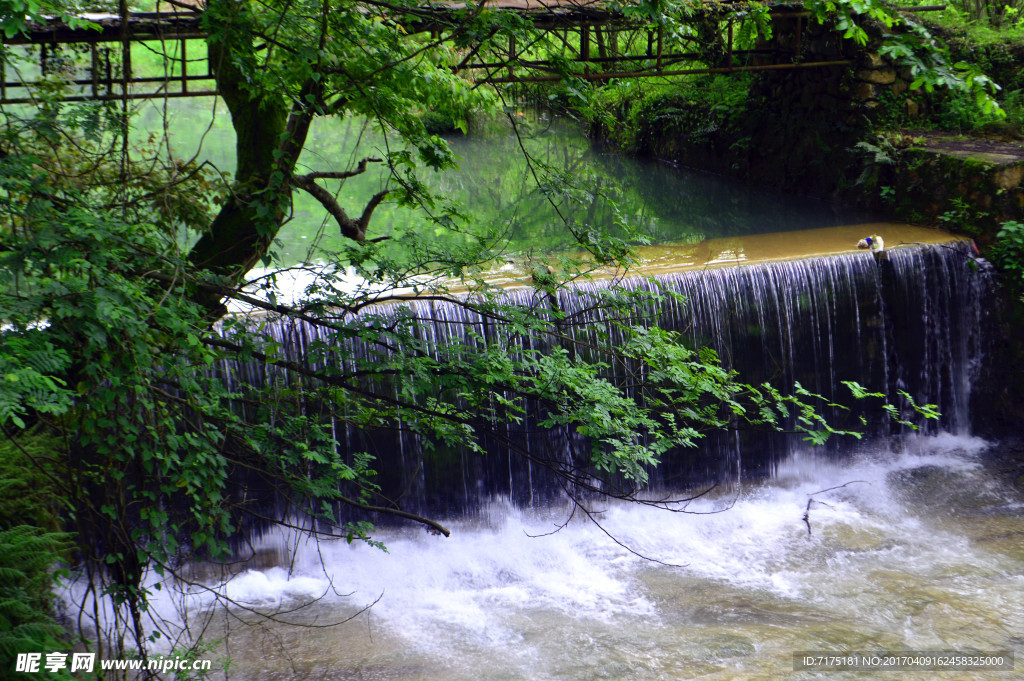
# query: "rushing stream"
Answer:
x=901 y=542
x=916 y=548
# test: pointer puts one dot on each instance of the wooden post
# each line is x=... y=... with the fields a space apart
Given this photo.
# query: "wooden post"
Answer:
x=94 y=67
x=728 y=61
x=108 y=71
x=126 y=65
x=126 y=74
x=511 y=55
x=585 y=47
x=661 y=44
x=126 y=51
x=184 y=66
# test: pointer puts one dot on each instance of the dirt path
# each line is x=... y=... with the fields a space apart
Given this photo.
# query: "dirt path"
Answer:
x=970 y=147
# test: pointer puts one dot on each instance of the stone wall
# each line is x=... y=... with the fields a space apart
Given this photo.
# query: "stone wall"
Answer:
x=972 y=192
x=816 y=132
x=876 y=79
x=796 y=129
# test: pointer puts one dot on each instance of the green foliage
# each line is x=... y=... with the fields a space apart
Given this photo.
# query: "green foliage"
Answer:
x=108 y=302
x=927 y=411
x=994 y=15
x=27 y=555
x=30 y=549
x=846 y=15
x=998 y=54
x=694 y=107
x=754 y=26
x=912 y=46
x=29 y=492
x=15 y=15
x=442 y=124
x=957 y=112
x=1008 y=251
x=964 y=217
x=31 y=380
x=74 y=268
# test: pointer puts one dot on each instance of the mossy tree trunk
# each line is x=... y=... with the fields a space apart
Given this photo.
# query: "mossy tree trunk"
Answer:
x=270 y=133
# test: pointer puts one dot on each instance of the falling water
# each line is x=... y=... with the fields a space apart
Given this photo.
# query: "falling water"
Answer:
x=916 y=549
x=905 y=543
x=907 y=321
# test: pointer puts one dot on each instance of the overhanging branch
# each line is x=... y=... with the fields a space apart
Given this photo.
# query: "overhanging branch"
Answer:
x=364 y=219
x=351 y=228
x=341 y=174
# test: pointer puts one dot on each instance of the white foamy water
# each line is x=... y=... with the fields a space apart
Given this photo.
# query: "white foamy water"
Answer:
x=921 y=548
x=916 y=549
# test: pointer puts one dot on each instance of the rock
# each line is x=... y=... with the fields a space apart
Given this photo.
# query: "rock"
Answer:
x=875 y=60
x=866 y=91
x=878 y=76
x=1009 y=177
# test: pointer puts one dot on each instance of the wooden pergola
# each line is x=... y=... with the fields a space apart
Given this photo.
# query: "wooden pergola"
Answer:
x=587 y=30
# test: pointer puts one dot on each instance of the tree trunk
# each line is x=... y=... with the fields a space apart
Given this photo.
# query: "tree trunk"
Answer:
x=268 y=143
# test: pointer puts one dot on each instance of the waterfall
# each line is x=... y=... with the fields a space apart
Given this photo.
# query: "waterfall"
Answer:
x=909 y=319
x=906 y=543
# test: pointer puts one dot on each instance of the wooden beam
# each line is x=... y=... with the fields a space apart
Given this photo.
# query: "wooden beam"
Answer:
x=607 y=75
x=670 y=58
x=116 y=97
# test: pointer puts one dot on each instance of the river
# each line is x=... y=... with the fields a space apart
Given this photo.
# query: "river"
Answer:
x=900 y=542
x=494 y=186
x=917 y=547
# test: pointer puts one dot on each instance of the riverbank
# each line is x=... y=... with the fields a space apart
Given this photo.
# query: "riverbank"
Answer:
x=929 y=177
x=969 y=186
x=826 y=135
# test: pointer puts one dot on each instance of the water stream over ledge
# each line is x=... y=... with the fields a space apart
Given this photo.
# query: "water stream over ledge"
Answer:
x=910 y=541
x=908 y=320
x=917 y=548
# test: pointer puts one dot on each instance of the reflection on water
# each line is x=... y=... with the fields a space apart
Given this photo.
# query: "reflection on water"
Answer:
x=667 y=258
x=918 y=549
x=496 y=187
x=663 y=204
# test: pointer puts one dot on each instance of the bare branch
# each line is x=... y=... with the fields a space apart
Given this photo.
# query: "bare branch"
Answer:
x=811 y=500
x=349 y=228
x=433 y=525
x=364 y=219
x=341 y=174
x=354 y=229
